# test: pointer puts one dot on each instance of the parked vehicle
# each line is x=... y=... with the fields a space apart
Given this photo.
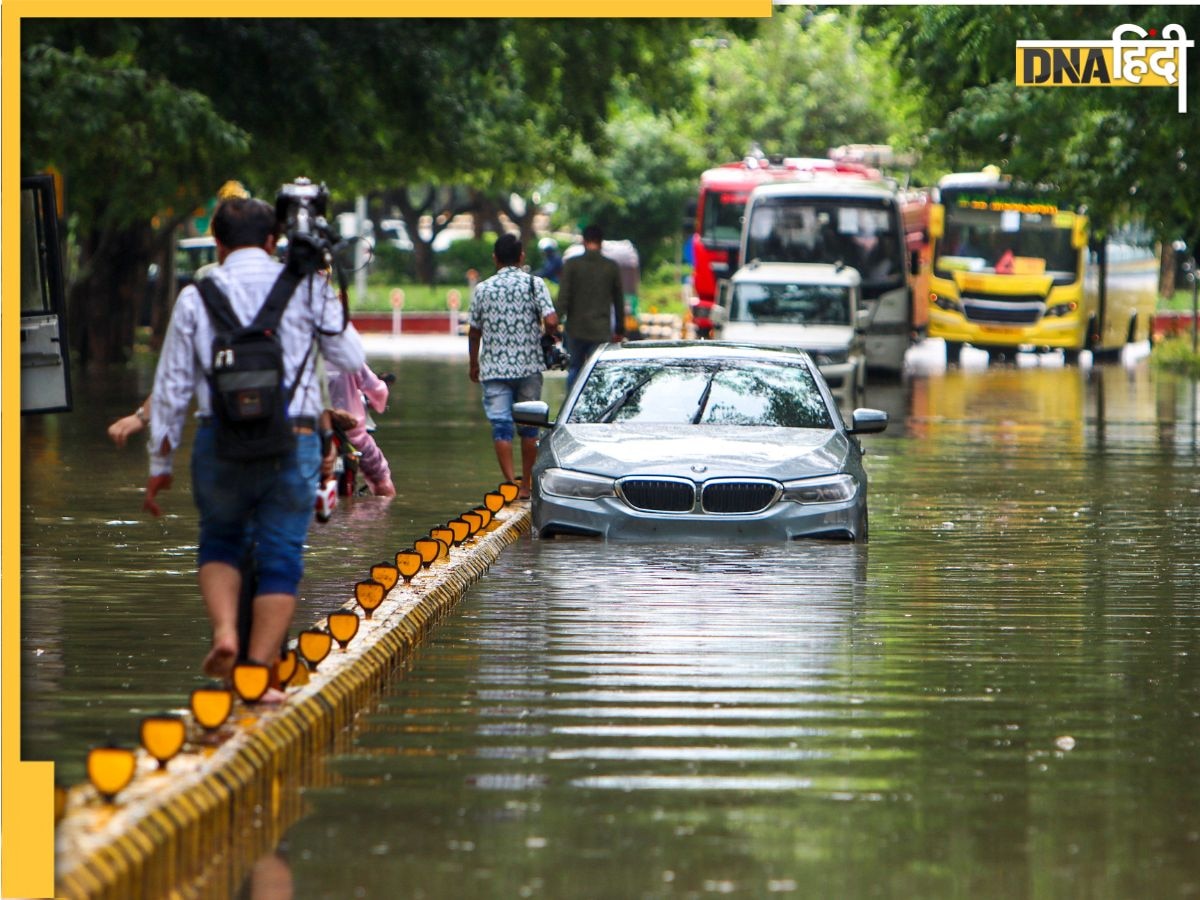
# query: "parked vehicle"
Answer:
x=1014 y=268
x=808 y=306
x=692 y=440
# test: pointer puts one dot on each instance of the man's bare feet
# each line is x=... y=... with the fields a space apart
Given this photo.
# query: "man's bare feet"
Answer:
x=220 y=659
x=273 y=696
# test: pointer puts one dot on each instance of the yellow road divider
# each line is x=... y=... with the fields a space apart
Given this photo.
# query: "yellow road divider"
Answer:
x=233 y=789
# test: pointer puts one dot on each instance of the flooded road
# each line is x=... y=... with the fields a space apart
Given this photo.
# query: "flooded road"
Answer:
x=998 y=696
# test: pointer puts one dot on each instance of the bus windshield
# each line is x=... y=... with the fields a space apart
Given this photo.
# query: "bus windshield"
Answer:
x=858 y=232
x=721 y=216
x=791 y=304
x=1006 y=242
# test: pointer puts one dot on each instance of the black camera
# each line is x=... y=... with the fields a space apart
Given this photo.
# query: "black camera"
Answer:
x=300 y=209
x=553 y=353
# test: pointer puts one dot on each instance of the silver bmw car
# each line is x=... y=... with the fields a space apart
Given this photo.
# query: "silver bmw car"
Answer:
x=700 y=440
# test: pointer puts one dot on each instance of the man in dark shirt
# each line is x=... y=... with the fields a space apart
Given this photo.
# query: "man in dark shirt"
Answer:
x=591 y=300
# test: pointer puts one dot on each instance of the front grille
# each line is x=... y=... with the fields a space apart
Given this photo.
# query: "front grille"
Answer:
x=659 y=495
x=738 y=496
x=1004 y=309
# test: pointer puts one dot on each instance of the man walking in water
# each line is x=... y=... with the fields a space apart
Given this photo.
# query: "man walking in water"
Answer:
x=509 y=313
x=269 y=498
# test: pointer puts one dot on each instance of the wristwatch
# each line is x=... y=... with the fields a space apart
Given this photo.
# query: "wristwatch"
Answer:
x=140 y=412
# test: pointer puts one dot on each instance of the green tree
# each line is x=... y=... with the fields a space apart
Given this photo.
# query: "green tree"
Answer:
x=138 y=155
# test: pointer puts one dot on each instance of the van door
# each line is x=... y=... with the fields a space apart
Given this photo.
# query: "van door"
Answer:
x=45 y=361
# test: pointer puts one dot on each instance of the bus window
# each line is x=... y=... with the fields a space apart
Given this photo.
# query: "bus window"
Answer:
x=45 y=362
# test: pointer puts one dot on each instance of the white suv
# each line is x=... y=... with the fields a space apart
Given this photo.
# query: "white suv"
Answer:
x=809 y=306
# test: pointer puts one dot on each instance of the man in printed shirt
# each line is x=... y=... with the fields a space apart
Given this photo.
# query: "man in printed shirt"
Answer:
x=269 y=500
x=509 y=312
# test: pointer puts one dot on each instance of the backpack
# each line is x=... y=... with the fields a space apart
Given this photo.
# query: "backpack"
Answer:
x=246 y=381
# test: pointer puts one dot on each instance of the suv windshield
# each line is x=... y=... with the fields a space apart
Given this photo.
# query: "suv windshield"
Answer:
x=702 y=392
x=790 y=304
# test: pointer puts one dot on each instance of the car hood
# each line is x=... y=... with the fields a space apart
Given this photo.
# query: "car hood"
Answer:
x=724 y=451
x=812 y=338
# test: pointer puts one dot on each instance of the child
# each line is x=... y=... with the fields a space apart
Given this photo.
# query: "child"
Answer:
x=346 y=392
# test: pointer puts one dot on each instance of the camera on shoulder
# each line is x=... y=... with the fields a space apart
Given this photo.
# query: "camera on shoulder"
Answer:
x=300 y=210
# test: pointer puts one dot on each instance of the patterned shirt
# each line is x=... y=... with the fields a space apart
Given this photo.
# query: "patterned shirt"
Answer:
x=246 y=277
x=508 y=310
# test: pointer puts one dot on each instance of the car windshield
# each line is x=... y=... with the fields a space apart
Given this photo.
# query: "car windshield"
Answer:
x=791 y=304
x=702 y=392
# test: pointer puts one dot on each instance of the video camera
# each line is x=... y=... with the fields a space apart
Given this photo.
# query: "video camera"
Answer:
x=300 y=209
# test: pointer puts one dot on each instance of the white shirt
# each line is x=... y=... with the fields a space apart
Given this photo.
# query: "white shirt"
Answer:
x=246 y=277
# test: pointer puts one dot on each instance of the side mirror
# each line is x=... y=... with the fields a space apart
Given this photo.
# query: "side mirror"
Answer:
x=532 y=412
x=868 y=421
x=1079 y=232
x=862 y=320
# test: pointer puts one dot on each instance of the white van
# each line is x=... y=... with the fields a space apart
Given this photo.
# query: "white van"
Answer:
x=811 y=306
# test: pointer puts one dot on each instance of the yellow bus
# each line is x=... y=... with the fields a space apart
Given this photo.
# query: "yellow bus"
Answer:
x=1012 y=270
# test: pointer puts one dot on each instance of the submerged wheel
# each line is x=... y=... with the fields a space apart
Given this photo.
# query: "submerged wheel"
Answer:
x=953 y=352
x=1071 y=356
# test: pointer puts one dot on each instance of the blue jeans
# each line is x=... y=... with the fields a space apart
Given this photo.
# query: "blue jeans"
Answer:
x=499 y=394
x=579 y=351
x=268 y=502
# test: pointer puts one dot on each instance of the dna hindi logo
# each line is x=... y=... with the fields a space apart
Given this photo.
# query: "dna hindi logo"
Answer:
x=1133 y=57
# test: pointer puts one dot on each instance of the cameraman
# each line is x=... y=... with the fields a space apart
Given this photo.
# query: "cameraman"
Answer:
x=509 y=313
x=270 y=499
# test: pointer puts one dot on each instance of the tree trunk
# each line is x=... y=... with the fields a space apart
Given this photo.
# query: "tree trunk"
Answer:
x=1166 y=271
x=104 y=303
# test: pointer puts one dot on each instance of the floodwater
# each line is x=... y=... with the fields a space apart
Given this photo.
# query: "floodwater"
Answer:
x=999 y=696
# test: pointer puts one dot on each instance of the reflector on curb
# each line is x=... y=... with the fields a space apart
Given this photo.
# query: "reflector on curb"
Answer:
x=369 y=595
x=385 y=573
x=211 y=706
x=110 y=769
x=484 y=513
x=474 y=522
x=494 y=501
x=251 y=680
x=460 y=529
x=162 y=736
x=343 y=625
x=314 y=646
x=508 y=490
x=285 y=668
x=443 y=534
x=409 y=563
x=430 y=549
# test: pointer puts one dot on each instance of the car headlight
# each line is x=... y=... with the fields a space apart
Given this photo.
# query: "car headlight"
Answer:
x=577 y=485
x=832 y=489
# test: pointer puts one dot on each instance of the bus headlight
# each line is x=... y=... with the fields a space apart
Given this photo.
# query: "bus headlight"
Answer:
x=831 y=489
x=1062 y=309
x=831 y=357
x=576 y=485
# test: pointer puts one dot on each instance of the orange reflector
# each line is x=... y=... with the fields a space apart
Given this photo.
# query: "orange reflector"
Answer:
x=163 y=737
x=460 y=529
x=343 y=625
x=386 y=574
x=409 y=563
x=369 y=595
x=474 y=521
x=299 y=678
x=494 y=501
x=110 y=769
x=251 y=680
x=429 y=548
x=314 y=646
x=445 y=535
x=211 y=706
x=285 y=669
x=508 y=490
x=484 y=513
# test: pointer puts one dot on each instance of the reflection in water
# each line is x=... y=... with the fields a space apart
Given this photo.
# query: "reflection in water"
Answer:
x=999 y=696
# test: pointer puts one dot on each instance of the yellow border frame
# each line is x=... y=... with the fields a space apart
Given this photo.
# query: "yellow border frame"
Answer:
x=26 y=793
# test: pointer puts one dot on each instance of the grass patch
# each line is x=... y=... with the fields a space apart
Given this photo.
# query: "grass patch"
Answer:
x=1176 y=355
x=1180 y=301
x=661 y=298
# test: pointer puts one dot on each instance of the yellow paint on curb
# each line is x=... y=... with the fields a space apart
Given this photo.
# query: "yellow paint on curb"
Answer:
x=223 y=807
